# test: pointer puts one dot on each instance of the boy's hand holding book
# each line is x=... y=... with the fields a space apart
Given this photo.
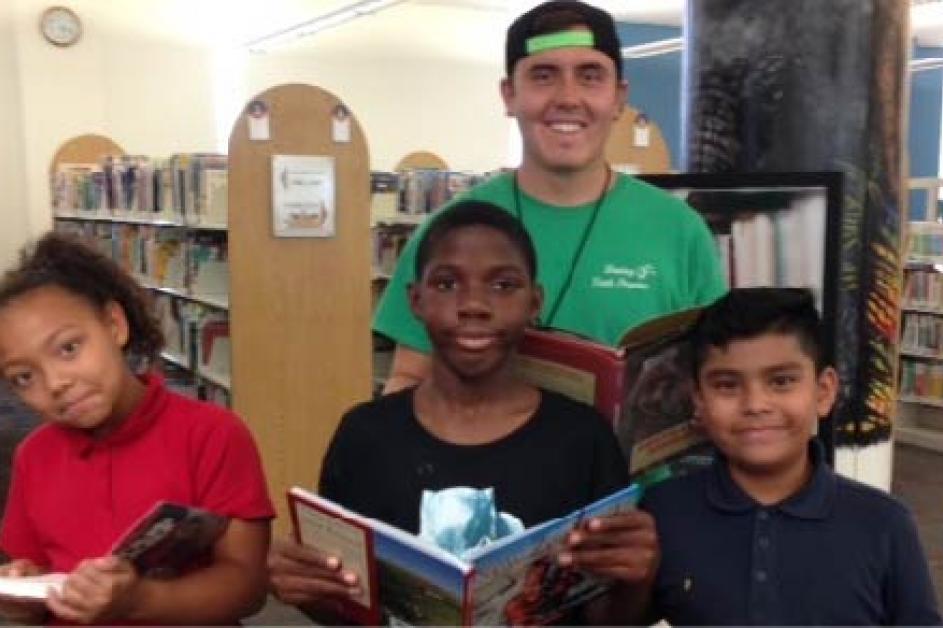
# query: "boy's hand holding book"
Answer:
x=304 y=576
x=97 y=590
x=620 y=546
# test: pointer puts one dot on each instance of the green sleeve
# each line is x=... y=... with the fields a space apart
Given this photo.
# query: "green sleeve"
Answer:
x=707 y=279
x=394 y=318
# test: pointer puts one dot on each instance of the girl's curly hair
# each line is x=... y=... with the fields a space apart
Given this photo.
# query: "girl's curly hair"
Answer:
x=60 y=260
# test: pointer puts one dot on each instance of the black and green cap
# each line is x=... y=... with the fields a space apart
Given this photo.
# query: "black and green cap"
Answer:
x=562 y=24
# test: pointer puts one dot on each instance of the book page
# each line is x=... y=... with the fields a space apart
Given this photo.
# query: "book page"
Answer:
x=656 y=427
x=31 y=587
x=421 y=584
x=574 y=383
x=518 y=581
x=339 y=538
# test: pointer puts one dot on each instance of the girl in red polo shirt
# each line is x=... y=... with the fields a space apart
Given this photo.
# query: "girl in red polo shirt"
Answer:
x=113 y=443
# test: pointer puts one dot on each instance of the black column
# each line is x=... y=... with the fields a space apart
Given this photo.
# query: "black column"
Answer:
x=812 y=85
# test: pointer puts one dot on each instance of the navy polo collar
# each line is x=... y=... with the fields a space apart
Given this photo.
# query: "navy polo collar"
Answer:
x=813 y=501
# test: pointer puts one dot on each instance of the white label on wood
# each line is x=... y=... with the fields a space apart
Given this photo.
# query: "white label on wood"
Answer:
x=303 y=196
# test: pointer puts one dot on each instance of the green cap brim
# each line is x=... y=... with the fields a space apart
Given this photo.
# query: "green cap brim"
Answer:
x=564 y=39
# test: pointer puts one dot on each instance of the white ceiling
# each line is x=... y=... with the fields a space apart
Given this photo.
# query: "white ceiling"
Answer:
x=423 y=25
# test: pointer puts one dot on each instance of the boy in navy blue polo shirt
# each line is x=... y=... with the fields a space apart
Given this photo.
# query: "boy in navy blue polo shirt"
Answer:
x=770 y=534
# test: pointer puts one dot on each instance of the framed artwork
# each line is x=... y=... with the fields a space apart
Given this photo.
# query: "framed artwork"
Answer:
x=777 y=229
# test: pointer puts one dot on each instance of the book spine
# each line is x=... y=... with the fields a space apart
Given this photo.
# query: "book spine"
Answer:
x=468 y=599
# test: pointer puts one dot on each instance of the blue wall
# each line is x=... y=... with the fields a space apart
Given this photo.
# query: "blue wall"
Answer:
x=655 y=82
x=926 y=107
x=655 y=88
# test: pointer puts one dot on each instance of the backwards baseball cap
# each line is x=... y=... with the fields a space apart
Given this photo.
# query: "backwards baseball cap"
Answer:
x=557 y=24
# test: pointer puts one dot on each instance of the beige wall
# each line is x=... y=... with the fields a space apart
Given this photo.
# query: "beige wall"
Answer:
x=155 y=95
x=14 y=221
x=148 y=96
x=406 y=104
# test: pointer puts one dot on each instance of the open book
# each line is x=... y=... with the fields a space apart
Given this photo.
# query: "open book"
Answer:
x=513 y=581
x=643 y=386
x=166 y=541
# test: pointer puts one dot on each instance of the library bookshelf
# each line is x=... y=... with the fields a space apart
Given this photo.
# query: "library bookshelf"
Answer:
x=300 y=307
x=920 y=365
x=142 y=212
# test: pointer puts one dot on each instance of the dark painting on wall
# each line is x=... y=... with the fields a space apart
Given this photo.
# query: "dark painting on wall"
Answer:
x=812 y=85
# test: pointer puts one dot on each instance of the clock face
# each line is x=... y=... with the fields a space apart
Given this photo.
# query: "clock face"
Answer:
x=61 y=26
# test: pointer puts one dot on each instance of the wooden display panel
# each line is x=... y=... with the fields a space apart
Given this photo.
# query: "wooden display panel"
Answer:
x=621 y=150
x=300 y=307
x=421 y=159
x=84 y=149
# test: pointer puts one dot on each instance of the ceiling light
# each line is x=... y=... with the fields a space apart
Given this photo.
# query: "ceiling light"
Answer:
x=930 y=63
x=652 y=49
x=322 y=22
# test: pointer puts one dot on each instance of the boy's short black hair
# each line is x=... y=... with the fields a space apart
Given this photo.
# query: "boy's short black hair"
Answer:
x=746 y=313
x=475 y=214
x=561 y=15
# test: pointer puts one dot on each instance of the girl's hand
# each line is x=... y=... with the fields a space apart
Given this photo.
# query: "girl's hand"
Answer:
x=304 y=577
x=18 y=610
x=19 y=568
x=98 y=590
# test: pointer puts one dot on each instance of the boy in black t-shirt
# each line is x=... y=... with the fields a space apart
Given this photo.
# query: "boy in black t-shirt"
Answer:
x=474 y=423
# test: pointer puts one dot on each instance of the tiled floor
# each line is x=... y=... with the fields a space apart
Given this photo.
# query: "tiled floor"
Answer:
x=918 y=482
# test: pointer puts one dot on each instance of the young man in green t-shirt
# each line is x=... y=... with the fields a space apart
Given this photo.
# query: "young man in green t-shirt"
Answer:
x=613 y=251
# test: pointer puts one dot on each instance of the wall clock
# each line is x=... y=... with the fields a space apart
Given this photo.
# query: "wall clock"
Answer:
x=60 y=26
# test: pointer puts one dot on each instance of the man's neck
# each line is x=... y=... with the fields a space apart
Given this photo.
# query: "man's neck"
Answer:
x=564 y=188
x=774 y=486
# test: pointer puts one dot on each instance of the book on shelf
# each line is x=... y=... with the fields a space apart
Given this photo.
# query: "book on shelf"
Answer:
x=384 y=196
x=381 y=182
x=213 y=350
x=642 y=386
x=407 y=580
x=388 y=244
x=923 y=289
x=78 y=187
x=920 y=379
x=213 y=206
x=167 y=541
x=422 y=191
x=174 y=317
x=922 y=333
x=925 y=240
x=190 y=188
x=208 y=272
x=758 y=248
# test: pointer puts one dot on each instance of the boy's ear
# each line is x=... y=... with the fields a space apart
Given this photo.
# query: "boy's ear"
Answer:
x=537 y=303
x=826 y=391
x=412 y=292
x=622 y=91
x=697 y=417
x=506 y=88
x=117 y=322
